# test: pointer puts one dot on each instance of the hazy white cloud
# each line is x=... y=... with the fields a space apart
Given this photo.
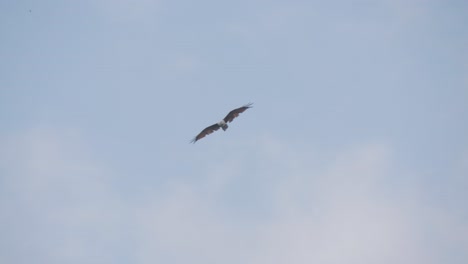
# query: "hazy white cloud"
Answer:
x=340 y=212
x=409 y=11
x=128 y=10
x=176 y=65
x=186 y=226
x=61 y=205
x=337 y=215
x=304 y=20
x=56 y=202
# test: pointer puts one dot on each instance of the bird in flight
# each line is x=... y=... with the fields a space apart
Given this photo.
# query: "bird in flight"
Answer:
x=223 y=123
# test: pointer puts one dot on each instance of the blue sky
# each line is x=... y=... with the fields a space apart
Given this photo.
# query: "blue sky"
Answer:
x=356 y=150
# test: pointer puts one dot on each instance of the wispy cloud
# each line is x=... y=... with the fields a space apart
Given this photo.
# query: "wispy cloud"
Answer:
x=127 y=10
x=61 y=205
x=56 y=203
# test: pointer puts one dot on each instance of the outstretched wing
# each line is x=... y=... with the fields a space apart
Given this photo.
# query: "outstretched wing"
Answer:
x=235 y=113
x=205 y=132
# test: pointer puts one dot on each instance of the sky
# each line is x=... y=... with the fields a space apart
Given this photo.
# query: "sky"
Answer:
x=355 y=150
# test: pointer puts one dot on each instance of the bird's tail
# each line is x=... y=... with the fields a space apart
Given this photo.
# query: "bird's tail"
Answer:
x=225 y=127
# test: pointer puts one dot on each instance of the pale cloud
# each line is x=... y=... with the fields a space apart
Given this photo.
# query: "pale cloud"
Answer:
x=185 y=226
x=271 y=22
x=177 y=65
x=61 y=205
x=129 y=10
x=385 y=18
x=335 y=214
x=56 y=203
x=409 y=11
x=340 y=212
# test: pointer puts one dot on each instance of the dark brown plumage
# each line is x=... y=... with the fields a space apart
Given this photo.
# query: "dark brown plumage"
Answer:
x=205 y=132
x=236 y=112
x=223 y=123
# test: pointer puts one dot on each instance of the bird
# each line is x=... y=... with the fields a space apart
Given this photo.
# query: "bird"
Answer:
x=223 y=123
